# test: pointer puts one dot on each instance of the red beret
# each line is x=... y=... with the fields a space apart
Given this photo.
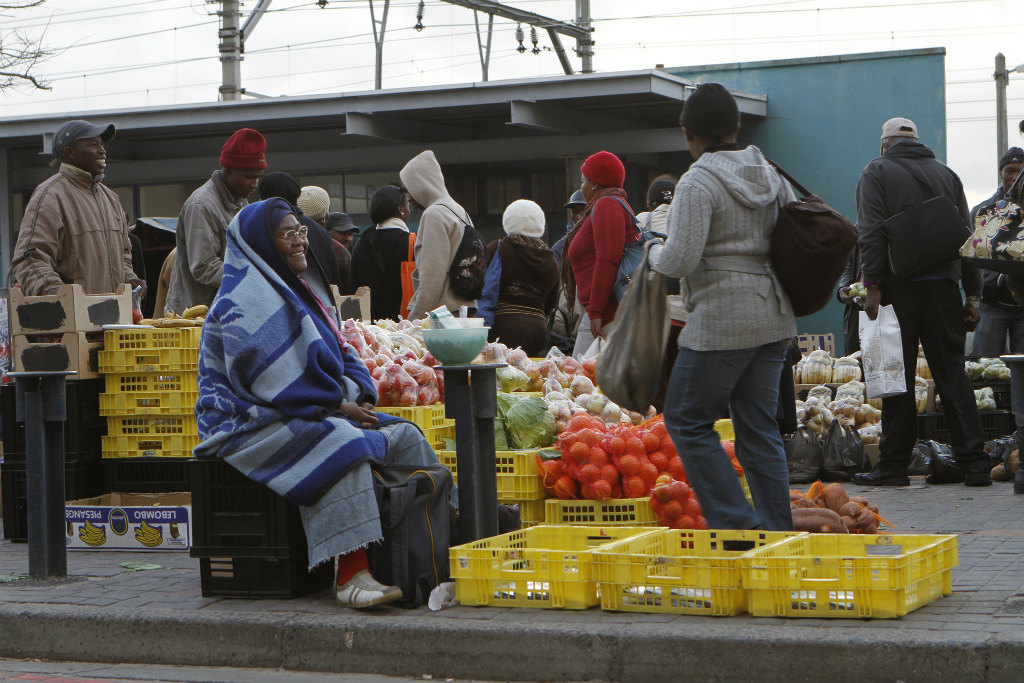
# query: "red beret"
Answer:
x=605 y=169
x=245 y=149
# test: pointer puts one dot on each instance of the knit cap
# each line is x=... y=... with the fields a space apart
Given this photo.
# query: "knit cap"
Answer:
x=605 y=169
x=246 y=149
x=523 y=217
x=315 y=202
x=1014 y=155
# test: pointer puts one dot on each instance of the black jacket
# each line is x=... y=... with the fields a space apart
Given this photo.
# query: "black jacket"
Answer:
x=885 y=189
x=377 y=263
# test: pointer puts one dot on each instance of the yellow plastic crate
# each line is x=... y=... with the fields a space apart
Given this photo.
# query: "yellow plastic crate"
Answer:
x=621 y=512
x=531 y=512
x=151 y=382
x=543 y=566
x=153 y=425
x=159 y=338
x=725 y=431
x=147 y=446
x=424 y=417
x=437 y=436
x=518 y=477
x=148 y=360
x=148 y=403
x=854 y=576
x=678 y=571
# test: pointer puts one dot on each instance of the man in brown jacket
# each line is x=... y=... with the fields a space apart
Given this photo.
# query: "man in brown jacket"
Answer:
x=74 y=229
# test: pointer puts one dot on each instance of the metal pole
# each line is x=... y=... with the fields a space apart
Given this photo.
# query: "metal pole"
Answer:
x=379 y=42
x=563 y=59
x=485 y=52
x=585 y=47
x=1001 y=76
x=42 y=405
x=230 y=50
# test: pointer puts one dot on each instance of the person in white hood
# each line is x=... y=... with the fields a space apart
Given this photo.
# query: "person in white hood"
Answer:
x=740 y=320
x=438 y=236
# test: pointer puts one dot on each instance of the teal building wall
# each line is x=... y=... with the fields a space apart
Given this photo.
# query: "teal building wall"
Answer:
x=825 y=117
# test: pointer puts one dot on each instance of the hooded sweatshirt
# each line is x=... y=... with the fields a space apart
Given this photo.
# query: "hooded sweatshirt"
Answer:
x=437 y=239
x=719 y=239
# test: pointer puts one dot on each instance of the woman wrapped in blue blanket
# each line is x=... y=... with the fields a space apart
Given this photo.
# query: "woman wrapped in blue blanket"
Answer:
x=283 y=398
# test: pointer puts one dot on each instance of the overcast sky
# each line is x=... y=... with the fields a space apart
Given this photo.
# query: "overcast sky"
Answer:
x=120 y=53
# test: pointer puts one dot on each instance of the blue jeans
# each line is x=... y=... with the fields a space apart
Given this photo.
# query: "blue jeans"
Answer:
x=704 y=384
x=996 y=322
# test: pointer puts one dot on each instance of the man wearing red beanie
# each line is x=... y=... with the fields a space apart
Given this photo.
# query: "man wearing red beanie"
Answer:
x=204 y=219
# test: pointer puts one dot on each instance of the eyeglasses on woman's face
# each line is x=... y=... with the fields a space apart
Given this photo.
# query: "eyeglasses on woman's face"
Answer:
x=294 y=234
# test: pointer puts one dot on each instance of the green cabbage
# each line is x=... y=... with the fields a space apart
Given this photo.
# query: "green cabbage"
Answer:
x=529 y=424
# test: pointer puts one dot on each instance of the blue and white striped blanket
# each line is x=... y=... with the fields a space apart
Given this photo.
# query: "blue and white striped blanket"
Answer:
x=271 y=375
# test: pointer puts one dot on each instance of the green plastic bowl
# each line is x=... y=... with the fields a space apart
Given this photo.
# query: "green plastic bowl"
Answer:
x=458 y=346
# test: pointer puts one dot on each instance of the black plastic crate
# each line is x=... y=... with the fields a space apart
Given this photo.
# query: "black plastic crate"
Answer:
x=81 y=480
x=994 y=424
x=83 y=431
x=145 y=475
x=261 y=577
x=233 y=516
x=1000 y=391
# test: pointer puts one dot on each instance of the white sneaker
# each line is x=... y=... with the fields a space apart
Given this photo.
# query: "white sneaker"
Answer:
x=362 y=590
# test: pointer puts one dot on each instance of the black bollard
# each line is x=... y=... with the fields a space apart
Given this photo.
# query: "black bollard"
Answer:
x=41 y=406
x=471 y=398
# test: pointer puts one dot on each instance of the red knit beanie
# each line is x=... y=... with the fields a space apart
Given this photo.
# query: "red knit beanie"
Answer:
x=605 y=169
x=245 y=149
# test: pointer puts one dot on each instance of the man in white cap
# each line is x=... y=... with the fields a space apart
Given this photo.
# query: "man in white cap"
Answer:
x=928 y=305
x=75 y=230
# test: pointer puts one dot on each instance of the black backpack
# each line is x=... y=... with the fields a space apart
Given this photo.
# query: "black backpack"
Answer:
x=469 y=266
x=416 y=520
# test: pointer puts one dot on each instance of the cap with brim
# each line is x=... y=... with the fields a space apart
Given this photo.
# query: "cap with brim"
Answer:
x=340 y=222
x=73 y=131
x=576 y=200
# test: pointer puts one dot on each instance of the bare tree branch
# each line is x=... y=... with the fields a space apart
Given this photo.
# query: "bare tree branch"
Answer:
x=21 y=53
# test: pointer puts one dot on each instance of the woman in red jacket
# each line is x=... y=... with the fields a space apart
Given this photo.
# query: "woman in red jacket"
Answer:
x=594 y=246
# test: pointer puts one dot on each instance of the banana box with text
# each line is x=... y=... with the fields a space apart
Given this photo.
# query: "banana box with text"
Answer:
x=130 y=521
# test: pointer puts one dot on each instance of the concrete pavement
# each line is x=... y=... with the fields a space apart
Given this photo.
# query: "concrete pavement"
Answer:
x=107 y=613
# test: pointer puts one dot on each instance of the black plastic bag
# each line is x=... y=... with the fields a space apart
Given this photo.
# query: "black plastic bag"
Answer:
x=944 y=469
x=921 y=458
x=804 y=456
x=999 y=449
x=842 y=454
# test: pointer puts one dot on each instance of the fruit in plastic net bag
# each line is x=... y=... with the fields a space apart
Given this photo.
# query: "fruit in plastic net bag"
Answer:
x=985 y=399
x=517 y=358
x=398 y=388
x=974 y=370
x=996 y=371
x=845 y=370
x=820 y=392
x=922 y=368
x=853 y=389
x=495 y=352
x=426 y=379
x=511 y=378
x=921 y=394
x=581 y=384
x=817 y=368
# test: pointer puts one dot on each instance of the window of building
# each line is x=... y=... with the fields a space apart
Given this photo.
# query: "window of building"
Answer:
x=163 y=200
x=359 y=188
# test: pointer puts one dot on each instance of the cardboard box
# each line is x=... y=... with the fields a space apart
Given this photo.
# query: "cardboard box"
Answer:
x=813 y=342
x=356 y=306
x=69 y=310
x=130 y=521
x=73 y=352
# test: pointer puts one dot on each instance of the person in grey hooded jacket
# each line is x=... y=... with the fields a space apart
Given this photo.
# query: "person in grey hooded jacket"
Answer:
x=732 y=350
x=437 y=238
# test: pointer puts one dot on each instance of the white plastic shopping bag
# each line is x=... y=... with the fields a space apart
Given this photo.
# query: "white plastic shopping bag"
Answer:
x=882 y=354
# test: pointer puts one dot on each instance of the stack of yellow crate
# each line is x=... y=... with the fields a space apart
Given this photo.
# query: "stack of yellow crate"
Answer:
x=151 y=392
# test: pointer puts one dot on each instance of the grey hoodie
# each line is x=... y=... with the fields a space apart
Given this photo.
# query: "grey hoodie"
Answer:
x=719 y=230
x=437 y=238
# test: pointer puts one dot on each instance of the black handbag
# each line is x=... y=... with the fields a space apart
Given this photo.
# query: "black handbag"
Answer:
x=926 y=235
x=415 y=517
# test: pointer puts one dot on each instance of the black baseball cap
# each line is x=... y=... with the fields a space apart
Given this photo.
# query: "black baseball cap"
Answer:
x=75 y=130
x=576 y=200
x=341 y=222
